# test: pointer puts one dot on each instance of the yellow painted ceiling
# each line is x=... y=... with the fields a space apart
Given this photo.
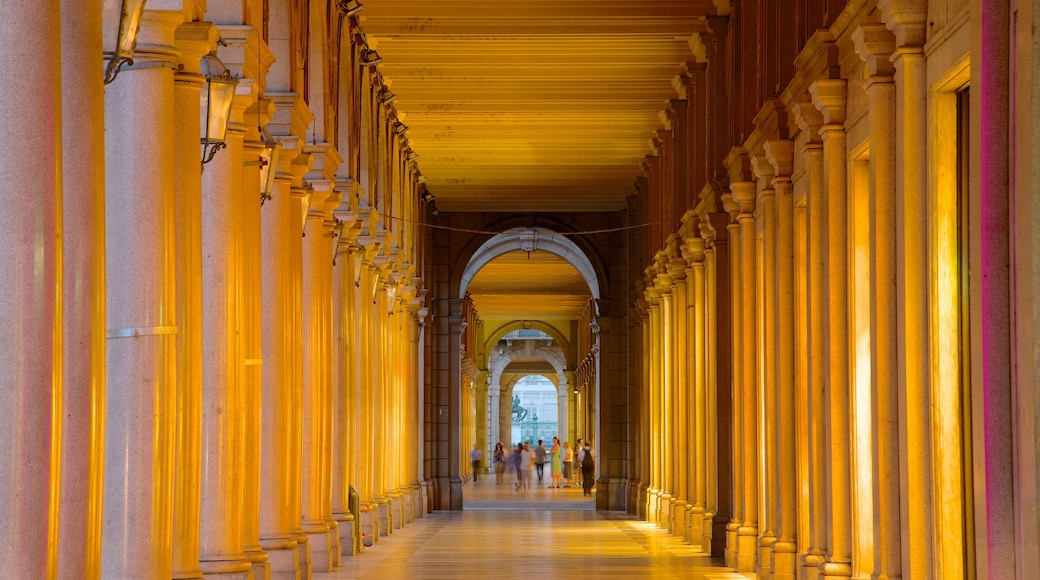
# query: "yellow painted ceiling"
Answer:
x=532 y=105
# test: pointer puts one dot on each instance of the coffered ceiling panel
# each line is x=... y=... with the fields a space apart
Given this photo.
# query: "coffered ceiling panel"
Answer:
x=533 y=105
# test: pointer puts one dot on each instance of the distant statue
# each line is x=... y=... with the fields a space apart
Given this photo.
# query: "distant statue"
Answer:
x=519 y=413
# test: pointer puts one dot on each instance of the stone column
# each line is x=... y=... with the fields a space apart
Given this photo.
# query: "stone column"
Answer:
x=747 y=534
x=140 y=418
x=664 y=286
x=301 y=198
x=810 y=120
x=732 y=207
x=829 y=96
x=683 y=456
x=765 y=217
x=780 y=153
x=194 y=39
x=875 y=45
x=317 y=247
x=223 y=397
x=31 y=390
x=655 y=361
x=694 y=252
x=83 y=289
x=280 y=239
x=907 y=20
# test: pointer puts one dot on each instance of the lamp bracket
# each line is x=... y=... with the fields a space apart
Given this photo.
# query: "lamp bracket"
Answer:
x=211 y=150
x=115 y=65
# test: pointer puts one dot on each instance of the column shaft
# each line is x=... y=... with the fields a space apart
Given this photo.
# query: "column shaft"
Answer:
x=83 y=294
x=31 y=278
x=700 y=399
x=767 y=342
x=140 y=419
x=737 y=450
x=748 y=532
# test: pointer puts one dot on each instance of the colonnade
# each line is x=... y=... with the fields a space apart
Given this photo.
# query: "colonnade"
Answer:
x=819 y=268
x=200 y=379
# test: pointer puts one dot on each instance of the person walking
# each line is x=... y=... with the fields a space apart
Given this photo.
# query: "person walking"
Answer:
x=517 y=460
x=499 y=457
x=579 y=451
x=568 y=464
x=588 y=468
x=527 y=464
x=475 y=456
x=539 y=461
x=555 y=464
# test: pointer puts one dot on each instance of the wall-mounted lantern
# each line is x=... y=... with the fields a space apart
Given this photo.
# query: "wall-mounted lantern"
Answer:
x=215 y=107
x=121 y=21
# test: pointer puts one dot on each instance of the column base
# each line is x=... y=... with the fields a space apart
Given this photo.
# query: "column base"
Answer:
x=320 y=556
x=785 y=560
x=651 y=505
x=407 y=507
x=747 y=549
x=706 y=525
x=424 y=494
x=345 y=524
x=303 y=552
x=369 y=525
x=238 y=569
x=282 y=559
x=696 y=533
x=334 y=547
x=678 y=520
x=396 y=513
x=385 y=518
x=836 y=569
x=809 y=568
x=664 y=511
x=260 y=562
x=765 y=556
x=732 y=529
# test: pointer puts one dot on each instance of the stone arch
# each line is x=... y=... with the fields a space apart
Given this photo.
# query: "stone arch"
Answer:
x=524 y=325
x=547 y=240
x=500 y=399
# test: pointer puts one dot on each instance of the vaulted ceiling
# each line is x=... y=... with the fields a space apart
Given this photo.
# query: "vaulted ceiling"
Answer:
x=532 y=106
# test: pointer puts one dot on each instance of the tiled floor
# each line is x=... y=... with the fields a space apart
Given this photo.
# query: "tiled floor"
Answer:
x=543 y=535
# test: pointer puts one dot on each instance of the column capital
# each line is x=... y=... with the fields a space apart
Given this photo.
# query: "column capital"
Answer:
x=907 y=19
x=809 y=120
x=326 y=161
x=194 y=40
x=875 y=44
x=830 y=97
x=693 y=251
x=731 y=205
x=744 y=192
x=738 y=165
x=292 y=116
x=763 y=169
x=780 y=153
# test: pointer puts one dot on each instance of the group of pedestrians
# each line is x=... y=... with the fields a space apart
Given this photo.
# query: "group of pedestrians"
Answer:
x=528 y=462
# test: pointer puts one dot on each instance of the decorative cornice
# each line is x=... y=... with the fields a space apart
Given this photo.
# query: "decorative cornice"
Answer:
x=907 y=19
x=780 y=153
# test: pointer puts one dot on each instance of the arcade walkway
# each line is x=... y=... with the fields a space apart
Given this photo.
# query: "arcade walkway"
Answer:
x=544 y=535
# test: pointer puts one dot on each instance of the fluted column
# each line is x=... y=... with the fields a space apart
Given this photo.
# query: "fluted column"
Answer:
x=780 y=153
x=732 y=207
x=279 y=230
x=747 y=534
x=30 y=277
x=83 y=295
x=140 y=419
x=829 y=96
x=814 y=510
x=875 y=45
x=907 y=20
x=223 y=396
x=317 y=261
x=194 y=39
